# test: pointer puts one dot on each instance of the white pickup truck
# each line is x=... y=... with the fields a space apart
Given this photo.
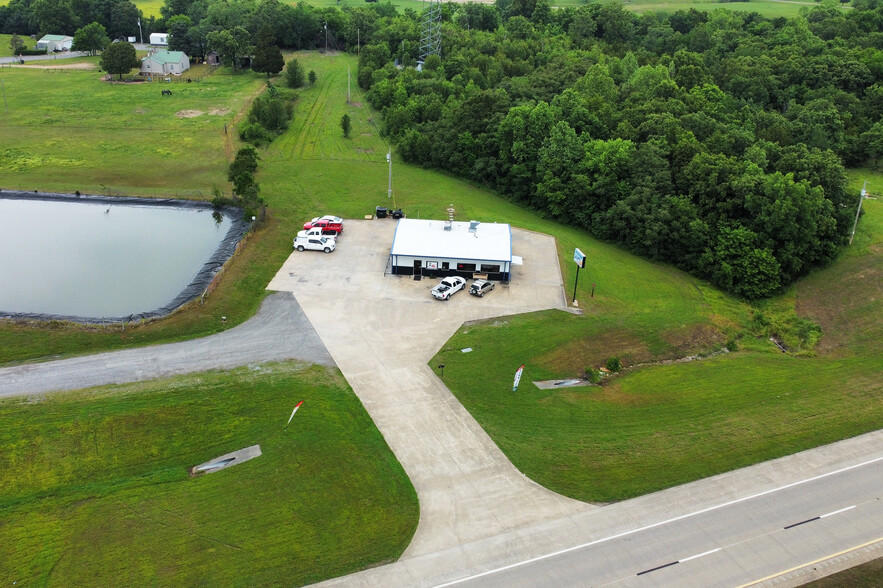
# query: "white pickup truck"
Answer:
x=318 y=232
x=315 y=243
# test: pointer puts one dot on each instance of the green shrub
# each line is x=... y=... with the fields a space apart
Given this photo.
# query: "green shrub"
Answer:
x=613 y=364
x=255 y=134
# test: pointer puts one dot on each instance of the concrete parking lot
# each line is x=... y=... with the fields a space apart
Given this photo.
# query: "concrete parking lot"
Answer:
x=381 y=330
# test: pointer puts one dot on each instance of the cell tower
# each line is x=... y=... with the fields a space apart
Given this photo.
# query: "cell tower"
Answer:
x=430 y=37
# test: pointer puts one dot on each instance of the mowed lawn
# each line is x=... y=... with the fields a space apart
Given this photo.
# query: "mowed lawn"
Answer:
x=664 y=424
x=95 y=490
x=67 y=130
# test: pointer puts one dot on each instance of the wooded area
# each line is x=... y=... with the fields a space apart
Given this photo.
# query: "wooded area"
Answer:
x=713 y=141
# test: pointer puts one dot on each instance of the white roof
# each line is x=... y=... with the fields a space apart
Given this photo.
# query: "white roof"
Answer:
x=428 y=238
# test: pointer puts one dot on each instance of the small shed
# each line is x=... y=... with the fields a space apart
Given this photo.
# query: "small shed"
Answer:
x=212 y=58
x=165 y=62
x=159 y=38
x=52 y=43
x=452 y=248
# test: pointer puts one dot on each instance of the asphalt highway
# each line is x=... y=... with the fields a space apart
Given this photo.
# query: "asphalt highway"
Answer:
x=740 y=542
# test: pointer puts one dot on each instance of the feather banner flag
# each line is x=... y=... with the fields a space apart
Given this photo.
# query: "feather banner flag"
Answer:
x=517 y=378
x=293 y=411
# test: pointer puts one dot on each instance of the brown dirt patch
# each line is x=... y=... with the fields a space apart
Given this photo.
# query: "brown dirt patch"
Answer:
x=693 y=338
x=219 y=111
x=594 y=351
x=189 y=113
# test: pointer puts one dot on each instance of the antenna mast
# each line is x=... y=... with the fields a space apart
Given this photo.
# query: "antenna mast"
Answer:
x=430 y=37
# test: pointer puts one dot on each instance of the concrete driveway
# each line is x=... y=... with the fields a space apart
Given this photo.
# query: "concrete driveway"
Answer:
x=381 y=331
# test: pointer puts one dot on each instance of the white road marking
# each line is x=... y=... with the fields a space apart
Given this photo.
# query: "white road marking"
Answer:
x=700 y=554
x=659 y=524
x=837 y=511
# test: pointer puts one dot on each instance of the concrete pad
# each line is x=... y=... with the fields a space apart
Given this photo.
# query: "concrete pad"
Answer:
x=381 y=330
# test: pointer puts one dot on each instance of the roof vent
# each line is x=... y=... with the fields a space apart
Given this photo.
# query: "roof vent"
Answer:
x=473 y=225
x=448 y=225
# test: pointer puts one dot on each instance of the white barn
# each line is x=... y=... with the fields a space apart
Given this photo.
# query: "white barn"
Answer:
x=55 y=43
x=452 y=248
x=159 y=38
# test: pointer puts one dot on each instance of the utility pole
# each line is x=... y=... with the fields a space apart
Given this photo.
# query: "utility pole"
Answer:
x=140 y=33
x=347 y=84
x=326 y=37
x=389 y=161
x=857 y=212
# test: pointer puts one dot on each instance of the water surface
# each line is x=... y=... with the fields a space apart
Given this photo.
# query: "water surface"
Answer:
x=100 y=259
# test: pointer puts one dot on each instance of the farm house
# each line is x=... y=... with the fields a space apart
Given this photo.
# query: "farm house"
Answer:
x=55 y=43
x=451 y=248
x=165 y=62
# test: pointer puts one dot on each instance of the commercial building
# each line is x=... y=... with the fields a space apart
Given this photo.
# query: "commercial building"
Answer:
x=451 y=248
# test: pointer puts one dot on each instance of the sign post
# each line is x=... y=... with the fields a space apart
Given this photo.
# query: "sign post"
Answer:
x=579 y=258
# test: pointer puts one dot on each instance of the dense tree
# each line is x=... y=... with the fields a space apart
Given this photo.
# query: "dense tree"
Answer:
x=91 y=38
x=294 y=74
x=267 y=56
x=119 y=58
x=345 y=125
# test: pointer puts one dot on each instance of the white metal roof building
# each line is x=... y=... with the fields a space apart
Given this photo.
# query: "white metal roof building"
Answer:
x=445 y=248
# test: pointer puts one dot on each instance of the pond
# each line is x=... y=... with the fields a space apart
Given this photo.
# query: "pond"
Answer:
x=94 y=259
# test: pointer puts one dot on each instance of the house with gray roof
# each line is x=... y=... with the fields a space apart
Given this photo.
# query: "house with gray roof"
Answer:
x=165 y=63
x=55 y=43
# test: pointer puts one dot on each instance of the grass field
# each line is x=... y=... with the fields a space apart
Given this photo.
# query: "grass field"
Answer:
x=98 y=137
x=94 y=487
x=6 y=50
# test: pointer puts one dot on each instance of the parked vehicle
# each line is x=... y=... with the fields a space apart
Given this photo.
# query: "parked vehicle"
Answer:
x=448 y=287
x=314 y=243
x=319 y=232
x=332 y=223
x=325 y=223
x=481 y=287
x=397 y=213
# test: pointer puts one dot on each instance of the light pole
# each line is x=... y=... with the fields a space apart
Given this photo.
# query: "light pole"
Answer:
x=140 y=33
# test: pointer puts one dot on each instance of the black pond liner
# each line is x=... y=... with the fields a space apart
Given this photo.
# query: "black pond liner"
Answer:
x=196 y=287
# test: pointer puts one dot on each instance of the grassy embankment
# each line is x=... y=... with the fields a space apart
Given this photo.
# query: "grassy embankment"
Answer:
x=661 y=425
x=94 y=485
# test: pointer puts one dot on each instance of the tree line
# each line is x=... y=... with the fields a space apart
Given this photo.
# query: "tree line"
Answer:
x=713 y=141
